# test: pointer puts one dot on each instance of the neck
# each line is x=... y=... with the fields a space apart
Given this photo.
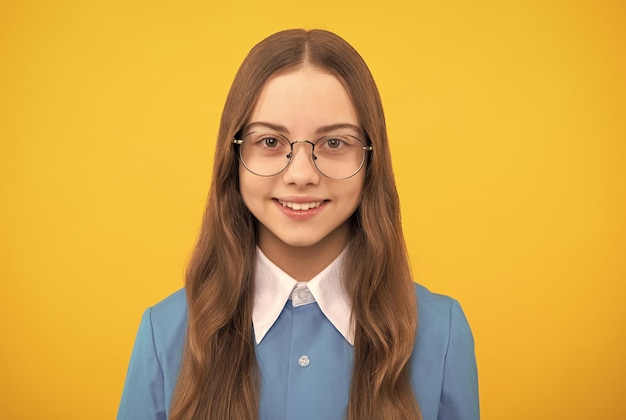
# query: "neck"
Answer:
x=303 y=262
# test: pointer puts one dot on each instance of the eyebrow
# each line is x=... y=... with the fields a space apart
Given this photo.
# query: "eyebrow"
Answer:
x=341 y=126
x=319 y=130
x=264 y=124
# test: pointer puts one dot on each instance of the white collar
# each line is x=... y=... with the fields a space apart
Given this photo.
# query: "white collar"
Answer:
x=273 y=287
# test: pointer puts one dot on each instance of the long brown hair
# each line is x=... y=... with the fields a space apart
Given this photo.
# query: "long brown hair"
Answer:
x=219 y=378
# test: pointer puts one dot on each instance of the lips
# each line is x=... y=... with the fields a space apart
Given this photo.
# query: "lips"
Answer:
x=301 y=206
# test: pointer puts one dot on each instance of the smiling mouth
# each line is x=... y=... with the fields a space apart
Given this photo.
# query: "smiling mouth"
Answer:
x=301 y=206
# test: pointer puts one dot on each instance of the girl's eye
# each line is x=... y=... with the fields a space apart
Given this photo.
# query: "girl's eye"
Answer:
x=270 y=141
x=333 y=143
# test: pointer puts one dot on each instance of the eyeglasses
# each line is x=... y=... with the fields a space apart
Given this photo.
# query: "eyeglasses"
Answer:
x=336 y=156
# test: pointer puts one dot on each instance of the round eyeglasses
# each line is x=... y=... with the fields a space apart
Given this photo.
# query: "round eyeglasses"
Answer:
x=336 y=156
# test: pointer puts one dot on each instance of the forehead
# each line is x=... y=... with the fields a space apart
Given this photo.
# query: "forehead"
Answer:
x=304 y=99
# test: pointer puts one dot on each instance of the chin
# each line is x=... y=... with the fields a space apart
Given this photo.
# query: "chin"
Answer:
x=299 y=242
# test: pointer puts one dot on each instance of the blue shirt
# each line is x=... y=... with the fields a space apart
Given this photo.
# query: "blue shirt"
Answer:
x=306 y=364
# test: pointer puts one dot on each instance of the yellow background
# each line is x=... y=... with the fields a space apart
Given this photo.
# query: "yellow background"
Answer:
x=508 y=128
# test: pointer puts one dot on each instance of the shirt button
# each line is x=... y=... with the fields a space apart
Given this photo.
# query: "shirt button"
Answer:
x=304 y=361
x=303 y=293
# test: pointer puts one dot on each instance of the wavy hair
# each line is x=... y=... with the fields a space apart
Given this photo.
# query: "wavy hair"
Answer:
x=219 y=377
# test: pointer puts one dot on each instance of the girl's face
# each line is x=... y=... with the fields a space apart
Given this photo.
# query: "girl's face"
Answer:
x=300 y=208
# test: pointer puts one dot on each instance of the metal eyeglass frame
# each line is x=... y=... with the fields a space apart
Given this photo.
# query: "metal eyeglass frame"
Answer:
x=289 y=156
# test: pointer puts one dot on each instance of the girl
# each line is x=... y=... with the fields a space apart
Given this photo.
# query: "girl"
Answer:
x=299 y=303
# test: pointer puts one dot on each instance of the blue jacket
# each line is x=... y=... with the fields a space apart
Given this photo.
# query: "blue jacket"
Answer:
x=306 y=364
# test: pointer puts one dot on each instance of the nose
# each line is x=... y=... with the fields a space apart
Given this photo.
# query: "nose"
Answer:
x=301 y=170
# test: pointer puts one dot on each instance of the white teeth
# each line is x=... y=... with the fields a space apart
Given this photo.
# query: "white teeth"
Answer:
x=300 y=206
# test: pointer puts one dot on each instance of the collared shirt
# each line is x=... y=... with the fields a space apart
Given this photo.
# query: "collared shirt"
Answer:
x=304 y=362
x=273 y=287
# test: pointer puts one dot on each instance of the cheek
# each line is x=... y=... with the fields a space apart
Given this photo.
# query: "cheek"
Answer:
x=351 y=194
x=357 y=198
x=245 y=189
x=359 y=184
x=251 y=187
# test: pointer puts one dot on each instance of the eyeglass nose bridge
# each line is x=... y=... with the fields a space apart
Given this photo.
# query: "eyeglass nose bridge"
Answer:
x=290 y=154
